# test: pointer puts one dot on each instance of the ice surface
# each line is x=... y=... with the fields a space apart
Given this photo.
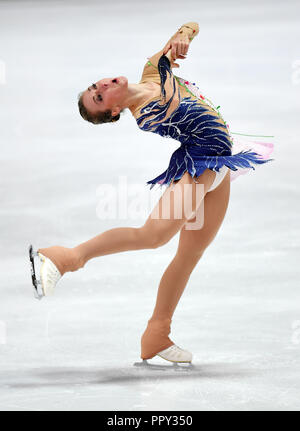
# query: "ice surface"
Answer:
x=239 y=314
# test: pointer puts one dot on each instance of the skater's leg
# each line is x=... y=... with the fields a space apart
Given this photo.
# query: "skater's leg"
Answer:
x=157 y=231
x=192 y=244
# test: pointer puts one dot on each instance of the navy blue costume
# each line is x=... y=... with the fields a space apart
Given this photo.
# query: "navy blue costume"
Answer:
x=203 y=135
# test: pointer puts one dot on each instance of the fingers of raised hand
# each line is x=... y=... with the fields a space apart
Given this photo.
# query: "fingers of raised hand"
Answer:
x=174 y=51
x=178 y=49
x=181 y=49
x=184 y=47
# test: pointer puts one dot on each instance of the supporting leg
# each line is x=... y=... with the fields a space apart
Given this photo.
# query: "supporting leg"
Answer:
x=192 y=244
x=173 y=282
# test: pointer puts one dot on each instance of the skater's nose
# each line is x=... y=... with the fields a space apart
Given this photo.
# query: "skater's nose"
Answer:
x=104 y=85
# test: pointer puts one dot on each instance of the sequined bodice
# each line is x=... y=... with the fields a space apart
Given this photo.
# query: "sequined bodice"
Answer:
x=185 y=119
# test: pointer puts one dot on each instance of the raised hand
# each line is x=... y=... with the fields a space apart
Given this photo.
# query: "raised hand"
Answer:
x=177 y=48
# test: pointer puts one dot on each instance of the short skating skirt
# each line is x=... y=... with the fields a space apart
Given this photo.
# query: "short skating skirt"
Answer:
x=245 y=154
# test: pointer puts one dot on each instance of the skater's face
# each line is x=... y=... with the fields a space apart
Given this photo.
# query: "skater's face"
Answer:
x=108 y=93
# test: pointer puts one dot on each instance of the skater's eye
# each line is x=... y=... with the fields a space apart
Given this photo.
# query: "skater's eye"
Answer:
x=94 y=86
x=98 y=98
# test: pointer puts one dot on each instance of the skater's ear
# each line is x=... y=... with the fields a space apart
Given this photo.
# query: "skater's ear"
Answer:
x=115 y=111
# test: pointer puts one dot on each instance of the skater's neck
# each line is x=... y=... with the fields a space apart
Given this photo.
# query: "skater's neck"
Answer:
x=138 y=94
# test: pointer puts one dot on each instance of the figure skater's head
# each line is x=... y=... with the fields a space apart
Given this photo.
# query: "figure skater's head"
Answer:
x=103 y=101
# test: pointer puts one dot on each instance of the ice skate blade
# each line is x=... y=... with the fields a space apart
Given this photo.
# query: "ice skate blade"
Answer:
x=37 y=288
x=176 y=366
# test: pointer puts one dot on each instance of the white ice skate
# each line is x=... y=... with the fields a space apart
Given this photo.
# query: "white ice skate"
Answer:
x=49 y=275
x=173 y=354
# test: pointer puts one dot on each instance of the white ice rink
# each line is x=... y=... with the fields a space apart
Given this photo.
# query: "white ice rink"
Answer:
x=240 y=313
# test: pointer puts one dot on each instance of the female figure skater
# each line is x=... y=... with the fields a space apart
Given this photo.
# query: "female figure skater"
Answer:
x=172 y=107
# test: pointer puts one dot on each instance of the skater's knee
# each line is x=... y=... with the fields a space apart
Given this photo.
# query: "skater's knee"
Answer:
x=152 y=238
x=160 y=240
x=188 y=258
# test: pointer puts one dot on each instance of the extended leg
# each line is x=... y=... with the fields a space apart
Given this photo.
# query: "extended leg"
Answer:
x=154 y=233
